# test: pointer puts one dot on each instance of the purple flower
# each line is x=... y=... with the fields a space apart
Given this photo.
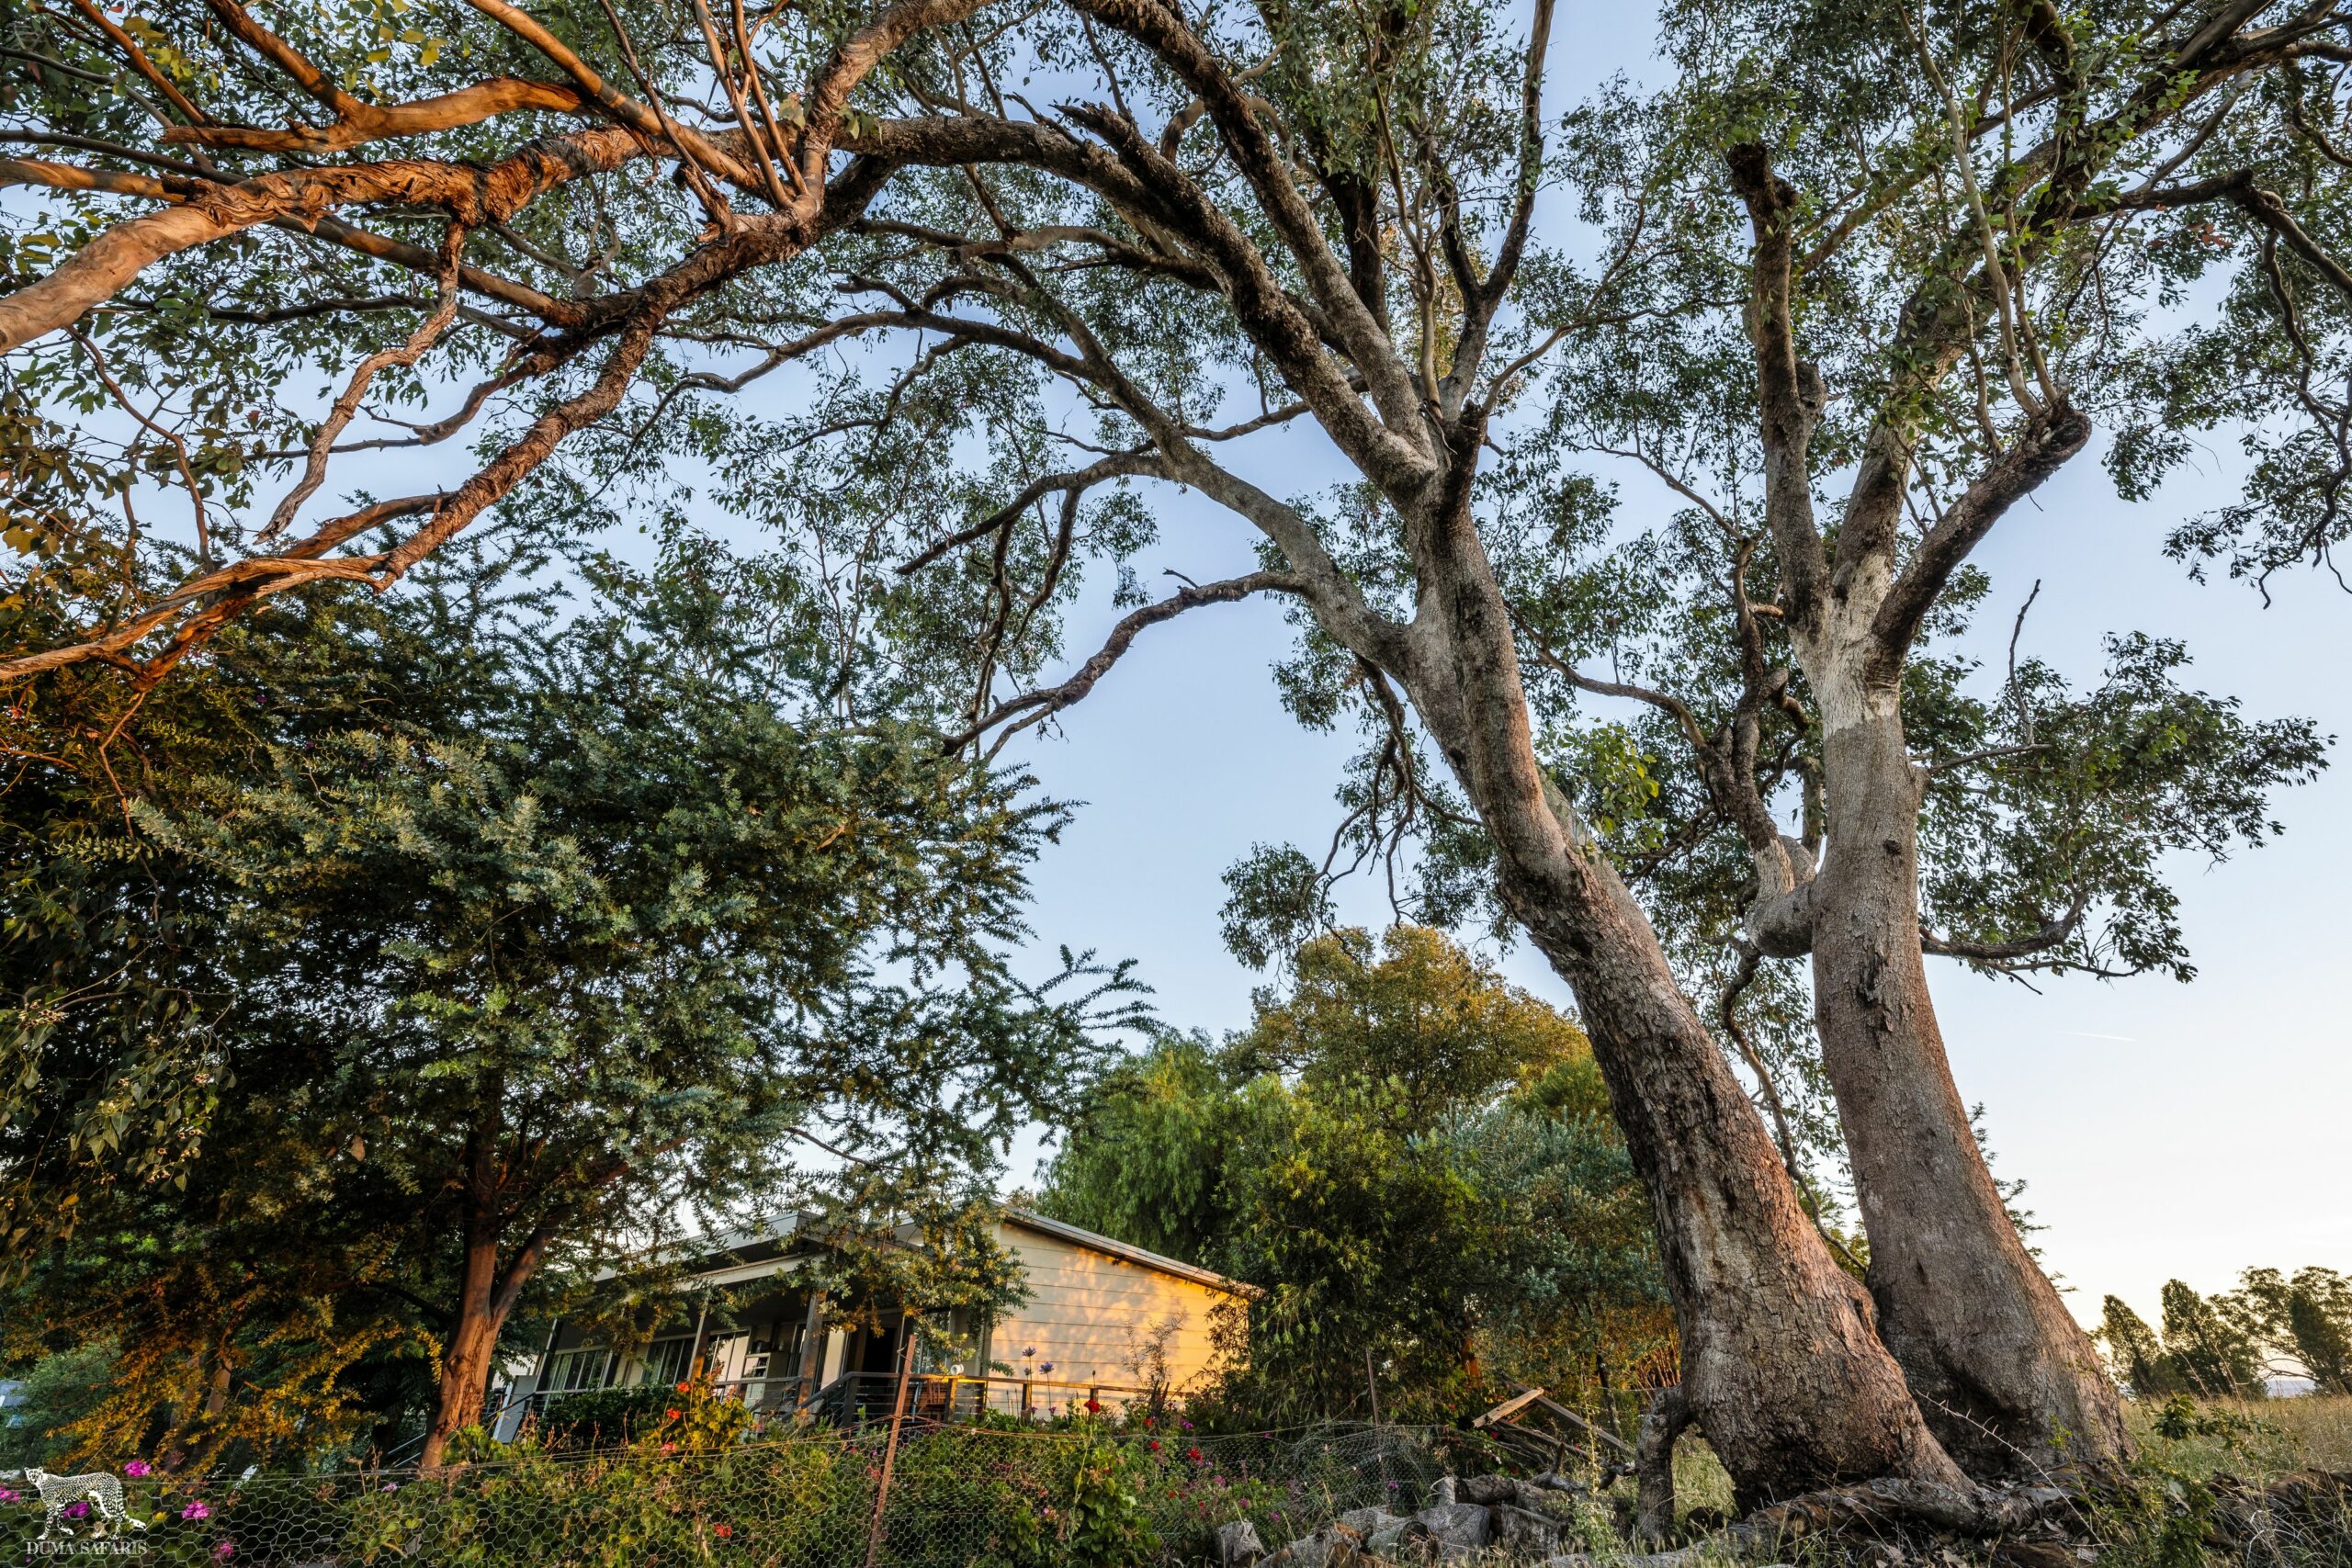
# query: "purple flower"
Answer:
x=199 y=1509
x=76 y=1510
x=137 y=1468
x=8 y=1495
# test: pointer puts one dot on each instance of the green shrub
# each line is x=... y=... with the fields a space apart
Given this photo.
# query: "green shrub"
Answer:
x=689 y=1417
x=1095 y=1519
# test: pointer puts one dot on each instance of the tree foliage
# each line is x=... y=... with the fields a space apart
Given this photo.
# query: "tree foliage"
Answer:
x=526 y=937
x=1849 y=284
x=1412 y=1159
x=2233 y=1343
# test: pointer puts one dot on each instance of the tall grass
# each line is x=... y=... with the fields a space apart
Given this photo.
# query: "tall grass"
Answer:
x=2251 y=1438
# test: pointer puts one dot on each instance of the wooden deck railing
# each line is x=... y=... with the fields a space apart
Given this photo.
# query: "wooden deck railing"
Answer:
x=956 y=1397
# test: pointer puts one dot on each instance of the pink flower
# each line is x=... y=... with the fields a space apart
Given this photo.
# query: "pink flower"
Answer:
x=8 y=1495
x=669 y=1447
x=137 y=1468
x=225 y=1551
x=76 y=1510
x=199 y=1509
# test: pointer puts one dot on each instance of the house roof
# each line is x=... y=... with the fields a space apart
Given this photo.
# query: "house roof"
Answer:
x=723 y=1273
x=1077 y=1235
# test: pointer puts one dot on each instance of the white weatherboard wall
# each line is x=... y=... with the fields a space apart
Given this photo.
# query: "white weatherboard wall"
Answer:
x=1089 y=1311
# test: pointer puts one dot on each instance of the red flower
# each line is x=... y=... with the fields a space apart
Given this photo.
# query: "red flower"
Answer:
x=1192 y=1454
x=1094 y=1407
x=722 y=1532
x=1155 y=1445
x=672 y=1412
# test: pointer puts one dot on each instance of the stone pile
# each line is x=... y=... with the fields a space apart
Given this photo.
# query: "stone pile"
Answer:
x=1496 y=1514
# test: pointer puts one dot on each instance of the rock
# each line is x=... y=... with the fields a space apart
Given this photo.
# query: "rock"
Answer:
x=1538 y=1495
x=1442 y=1494
x=1237 y=1545
x=1372 y=1522
x=1333 y=1546
x=1527 y=1532
x=1454 y=1527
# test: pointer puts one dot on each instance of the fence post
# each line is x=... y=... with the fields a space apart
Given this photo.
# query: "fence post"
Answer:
x=891 y=1447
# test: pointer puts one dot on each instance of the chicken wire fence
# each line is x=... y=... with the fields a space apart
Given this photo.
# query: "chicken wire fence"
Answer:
x=958 y=1497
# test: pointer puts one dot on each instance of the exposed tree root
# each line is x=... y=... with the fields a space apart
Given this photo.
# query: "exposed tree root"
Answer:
x=2256 y=1522
x=1984 y=1512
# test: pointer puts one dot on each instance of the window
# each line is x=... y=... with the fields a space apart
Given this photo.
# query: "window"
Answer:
x=569 y=1372
x=666 y=1362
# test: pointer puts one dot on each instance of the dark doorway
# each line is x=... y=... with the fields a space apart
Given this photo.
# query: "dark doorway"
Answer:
x=879 y=1351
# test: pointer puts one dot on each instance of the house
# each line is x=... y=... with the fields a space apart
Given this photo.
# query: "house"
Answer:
x=1104 y=1320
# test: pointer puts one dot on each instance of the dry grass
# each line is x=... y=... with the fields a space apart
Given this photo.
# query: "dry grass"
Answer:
x=2253 y=1441
x=2253 y=1437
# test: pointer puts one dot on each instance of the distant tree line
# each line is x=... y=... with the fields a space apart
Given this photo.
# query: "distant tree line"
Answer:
x=2233 y=1344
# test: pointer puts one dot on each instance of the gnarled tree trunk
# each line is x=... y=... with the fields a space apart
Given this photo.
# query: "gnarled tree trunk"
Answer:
x=1782 y=1367
x=2003 y=1374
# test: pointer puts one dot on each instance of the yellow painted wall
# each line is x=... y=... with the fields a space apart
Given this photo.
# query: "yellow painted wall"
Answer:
x=1087 y=1312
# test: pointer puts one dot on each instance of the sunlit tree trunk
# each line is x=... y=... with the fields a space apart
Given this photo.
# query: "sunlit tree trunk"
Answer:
x=1782 y=1367
x=2004 y=1375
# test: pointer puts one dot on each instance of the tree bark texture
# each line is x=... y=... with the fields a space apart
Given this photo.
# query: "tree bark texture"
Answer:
x=2006 y=1377
x=1781 y=1366
x=465 y=1362
x=1662 y=1423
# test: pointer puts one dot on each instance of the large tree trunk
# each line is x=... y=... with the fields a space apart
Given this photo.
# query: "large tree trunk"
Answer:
x=1780 y=1365
x=486 y=1297
x=2005 y=1376
x=465 y=1360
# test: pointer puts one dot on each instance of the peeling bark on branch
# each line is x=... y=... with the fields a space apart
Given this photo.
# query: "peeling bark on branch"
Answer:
x=474 y=196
